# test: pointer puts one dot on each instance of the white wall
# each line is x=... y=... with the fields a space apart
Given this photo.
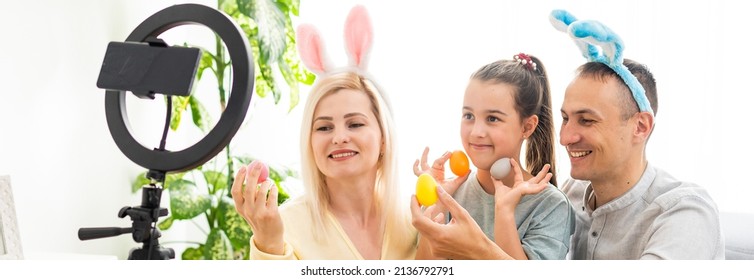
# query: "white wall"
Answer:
x=425 y=51
x=65 y=169
x=67 y=172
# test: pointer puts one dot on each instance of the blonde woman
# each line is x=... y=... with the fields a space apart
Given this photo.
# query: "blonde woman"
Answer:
x=350 y=208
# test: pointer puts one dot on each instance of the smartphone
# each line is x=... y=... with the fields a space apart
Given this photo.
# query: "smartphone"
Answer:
x=146 y=69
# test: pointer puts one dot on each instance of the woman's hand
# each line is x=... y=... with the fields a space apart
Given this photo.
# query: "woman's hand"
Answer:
x=461 y=238
x=259 y=209
x=433 y=213
x=437 y=171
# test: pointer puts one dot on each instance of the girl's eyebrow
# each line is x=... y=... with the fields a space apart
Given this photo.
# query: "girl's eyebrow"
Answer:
x=488 y=111
x=497 y=112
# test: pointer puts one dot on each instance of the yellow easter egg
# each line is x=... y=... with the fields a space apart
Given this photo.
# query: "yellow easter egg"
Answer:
x=426 y=190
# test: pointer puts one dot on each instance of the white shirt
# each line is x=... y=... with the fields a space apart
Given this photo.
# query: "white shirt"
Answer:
x=658 y=218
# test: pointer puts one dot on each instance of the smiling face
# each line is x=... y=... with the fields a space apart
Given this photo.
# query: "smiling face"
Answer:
x=346 y=138
x=490 y=127
x=595 y=132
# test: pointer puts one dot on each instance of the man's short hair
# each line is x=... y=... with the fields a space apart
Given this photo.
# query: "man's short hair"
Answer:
x=602 y=72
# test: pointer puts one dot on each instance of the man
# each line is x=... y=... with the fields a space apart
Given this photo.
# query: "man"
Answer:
x=625 y=207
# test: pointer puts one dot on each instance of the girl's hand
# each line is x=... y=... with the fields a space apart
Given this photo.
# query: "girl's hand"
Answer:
x=507 y=198
x=437 y=171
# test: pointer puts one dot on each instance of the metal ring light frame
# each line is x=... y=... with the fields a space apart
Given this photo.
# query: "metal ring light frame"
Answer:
x=231 y=119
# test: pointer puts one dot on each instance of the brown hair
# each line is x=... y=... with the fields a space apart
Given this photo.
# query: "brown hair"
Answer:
x=532 y=98
x=601 y=72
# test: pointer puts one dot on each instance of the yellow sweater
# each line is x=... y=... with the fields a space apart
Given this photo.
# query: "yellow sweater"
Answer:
x=300 y=242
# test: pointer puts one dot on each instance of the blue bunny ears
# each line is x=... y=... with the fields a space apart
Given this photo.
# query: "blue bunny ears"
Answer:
x=600 y=44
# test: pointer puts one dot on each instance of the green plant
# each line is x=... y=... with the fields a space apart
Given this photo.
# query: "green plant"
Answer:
x=268 y=26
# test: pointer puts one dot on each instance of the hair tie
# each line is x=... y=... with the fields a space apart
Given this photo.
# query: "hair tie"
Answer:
x=526 y=61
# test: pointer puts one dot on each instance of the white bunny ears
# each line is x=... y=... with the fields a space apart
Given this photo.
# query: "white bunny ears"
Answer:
x=358 y=40
x=600 y=44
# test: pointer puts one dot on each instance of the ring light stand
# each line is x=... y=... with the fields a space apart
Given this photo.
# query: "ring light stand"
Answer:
x=159 y=161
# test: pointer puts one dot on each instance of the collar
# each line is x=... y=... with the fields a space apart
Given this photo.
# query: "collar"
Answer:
x=632 y=195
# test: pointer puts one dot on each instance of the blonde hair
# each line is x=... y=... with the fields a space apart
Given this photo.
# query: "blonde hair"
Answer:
x=386 y=191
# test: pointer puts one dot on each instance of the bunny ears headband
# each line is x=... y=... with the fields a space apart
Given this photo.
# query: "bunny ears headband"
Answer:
x=600 y=44
x=358 y=40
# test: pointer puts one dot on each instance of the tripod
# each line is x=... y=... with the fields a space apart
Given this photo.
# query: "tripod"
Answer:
x=144 y=218
x=155 y=67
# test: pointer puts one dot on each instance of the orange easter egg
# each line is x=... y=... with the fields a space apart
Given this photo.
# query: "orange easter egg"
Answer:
x=459 y=163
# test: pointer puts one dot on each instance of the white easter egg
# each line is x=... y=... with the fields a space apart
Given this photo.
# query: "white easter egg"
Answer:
x=500 y=168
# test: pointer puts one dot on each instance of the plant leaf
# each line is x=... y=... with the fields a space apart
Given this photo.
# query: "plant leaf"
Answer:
x=166 y=223
x=243 y=159
x=141 y=180
x=268 y=42
x=260 y=85
x=204 y=63
x=244 y=7
x=201 y=118
x=180 y=104
x=277 y=173
x=242 y=253
x=265 y=71
x=271 y=22
x=218 y=180
x=288 y=6
x=292 y=59
x=228 y=219
x=294 y=6
x=291 y=69
x=290 y=79
x=186 y=201
x=172 y=177
x=251 y=29
x=218 y=246
x=282 y=194
x=193 y=253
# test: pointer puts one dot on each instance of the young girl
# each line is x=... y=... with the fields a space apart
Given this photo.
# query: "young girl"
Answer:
x=506 y=103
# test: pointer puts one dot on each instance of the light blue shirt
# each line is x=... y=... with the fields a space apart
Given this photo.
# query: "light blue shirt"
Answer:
x=658 y=218
x=544 y=221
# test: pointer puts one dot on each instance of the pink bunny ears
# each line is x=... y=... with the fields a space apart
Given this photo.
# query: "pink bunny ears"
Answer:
x=358 y=40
